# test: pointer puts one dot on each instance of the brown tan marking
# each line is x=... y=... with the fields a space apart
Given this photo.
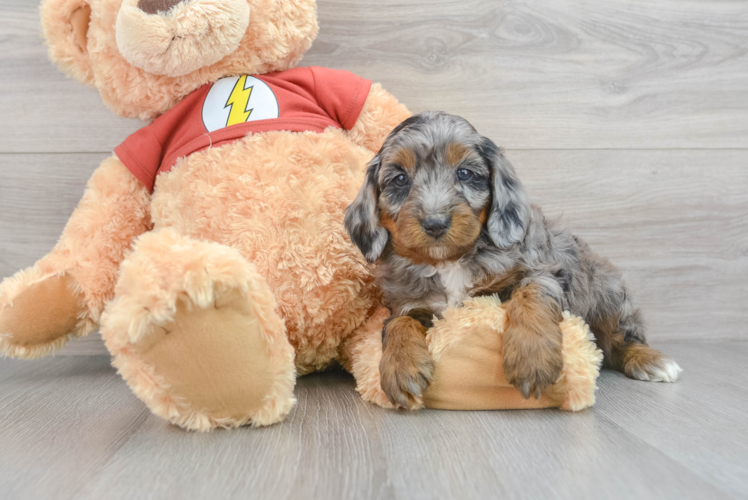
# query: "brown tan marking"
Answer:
x=406 y=368
x=414 y=255
x=532 y=341
x=499 y=284
x=483 y=215
x=628 y=357
x=410 y=241
x=634 y=359
x=406 y=158
x=607 y=337
x=465 y=229
x=457 y=153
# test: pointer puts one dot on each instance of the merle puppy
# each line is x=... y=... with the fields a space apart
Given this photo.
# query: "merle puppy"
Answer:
x=445 y=216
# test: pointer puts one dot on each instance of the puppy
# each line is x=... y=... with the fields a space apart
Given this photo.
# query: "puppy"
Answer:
x=445 y=216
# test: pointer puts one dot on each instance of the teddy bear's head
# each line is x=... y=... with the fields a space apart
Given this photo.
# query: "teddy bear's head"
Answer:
x=143 y=56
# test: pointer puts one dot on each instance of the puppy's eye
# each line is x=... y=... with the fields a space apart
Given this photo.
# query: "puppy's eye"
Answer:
x=464 y=174
x=401 y=180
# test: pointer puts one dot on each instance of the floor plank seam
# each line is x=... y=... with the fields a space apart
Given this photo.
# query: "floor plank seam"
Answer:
x=707 y=480
x=145 y=414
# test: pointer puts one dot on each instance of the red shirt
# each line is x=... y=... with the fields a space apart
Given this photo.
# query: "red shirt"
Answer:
x=297 y=100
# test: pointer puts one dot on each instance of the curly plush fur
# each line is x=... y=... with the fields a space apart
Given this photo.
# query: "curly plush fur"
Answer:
x=237 y=274
x=467 y=348
x=286 y=217
x=169 y=274
x=278 y=35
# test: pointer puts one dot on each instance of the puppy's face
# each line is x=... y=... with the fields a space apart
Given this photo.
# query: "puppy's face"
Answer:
x=433 y=187
x=434 y=191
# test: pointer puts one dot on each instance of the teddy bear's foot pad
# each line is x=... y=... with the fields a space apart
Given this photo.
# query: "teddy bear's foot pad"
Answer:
x=216 y=358
x=195 y=333
x=39 y=319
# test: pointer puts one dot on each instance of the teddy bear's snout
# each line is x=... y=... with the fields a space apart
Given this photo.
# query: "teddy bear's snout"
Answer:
x=177 y=37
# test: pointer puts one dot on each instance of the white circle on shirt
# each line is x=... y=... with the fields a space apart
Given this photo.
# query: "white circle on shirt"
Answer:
x=238 y=99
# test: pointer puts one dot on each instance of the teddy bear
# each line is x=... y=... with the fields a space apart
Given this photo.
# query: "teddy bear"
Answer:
x=209 y=248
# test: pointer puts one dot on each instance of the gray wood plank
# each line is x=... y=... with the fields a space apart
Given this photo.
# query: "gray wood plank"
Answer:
x=91 y=345
x=558 y=74
x=615 y=74
x=38 y=193
x=69 y=428
x=675 y=222
x=322 y=450
x=718 y=362
x=44 y=110
x=59 y=423
x=527 y=454
x=700 y=422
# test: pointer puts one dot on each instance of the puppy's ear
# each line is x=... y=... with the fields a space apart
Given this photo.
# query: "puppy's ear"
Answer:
x=361 y=221
x=509 y=213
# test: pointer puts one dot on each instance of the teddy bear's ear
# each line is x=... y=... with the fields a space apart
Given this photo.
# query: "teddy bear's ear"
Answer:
x=65 y=24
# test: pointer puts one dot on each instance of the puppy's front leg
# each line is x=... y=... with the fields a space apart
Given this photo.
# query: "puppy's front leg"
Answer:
x=532 y=340
x=406 y=368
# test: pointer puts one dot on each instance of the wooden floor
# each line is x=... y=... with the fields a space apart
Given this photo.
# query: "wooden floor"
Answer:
x=629 y=118
x=70 y=428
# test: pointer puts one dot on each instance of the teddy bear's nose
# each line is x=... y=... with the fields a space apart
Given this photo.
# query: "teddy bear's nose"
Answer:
x=156 y=6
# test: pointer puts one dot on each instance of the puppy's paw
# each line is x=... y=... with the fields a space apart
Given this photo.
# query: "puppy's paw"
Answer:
x=532 y=361
x=641 y=362
x=406 y=374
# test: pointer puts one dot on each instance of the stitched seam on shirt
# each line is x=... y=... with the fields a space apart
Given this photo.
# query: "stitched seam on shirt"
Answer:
x=353 y=103
x=314 y=83
x=157 y=140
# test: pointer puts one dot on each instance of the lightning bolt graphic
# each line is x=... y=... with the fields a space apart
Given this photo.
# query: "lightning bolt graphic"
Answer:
x=238 y=101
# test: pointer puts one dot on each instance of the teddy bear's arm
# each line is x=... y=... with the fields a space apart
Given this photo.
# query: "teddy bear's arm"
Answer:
x=381 y=113
x=64 y=293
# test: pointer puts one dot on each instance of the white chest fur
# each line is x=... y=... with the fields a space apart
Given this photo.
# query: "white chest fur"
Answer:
x=456 y=279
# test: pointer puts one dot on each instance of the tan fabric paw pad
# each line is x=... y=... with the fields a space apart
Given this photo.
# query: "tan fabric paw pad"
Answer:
x=43 y=313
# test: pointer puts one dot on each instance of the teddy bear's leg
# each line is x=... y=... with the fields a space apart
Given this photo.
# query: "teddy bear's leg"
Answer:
x=195 y=333
x=63 y=294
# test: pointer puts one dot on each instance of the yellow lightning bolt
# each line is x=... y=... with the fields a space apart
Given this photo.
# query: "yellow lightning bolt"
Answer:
x=239 y=100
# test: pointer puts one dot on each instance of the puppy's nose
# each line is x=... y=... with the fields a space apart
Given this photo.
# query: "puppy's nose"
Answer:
x=156 y=6
x=436 y=226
